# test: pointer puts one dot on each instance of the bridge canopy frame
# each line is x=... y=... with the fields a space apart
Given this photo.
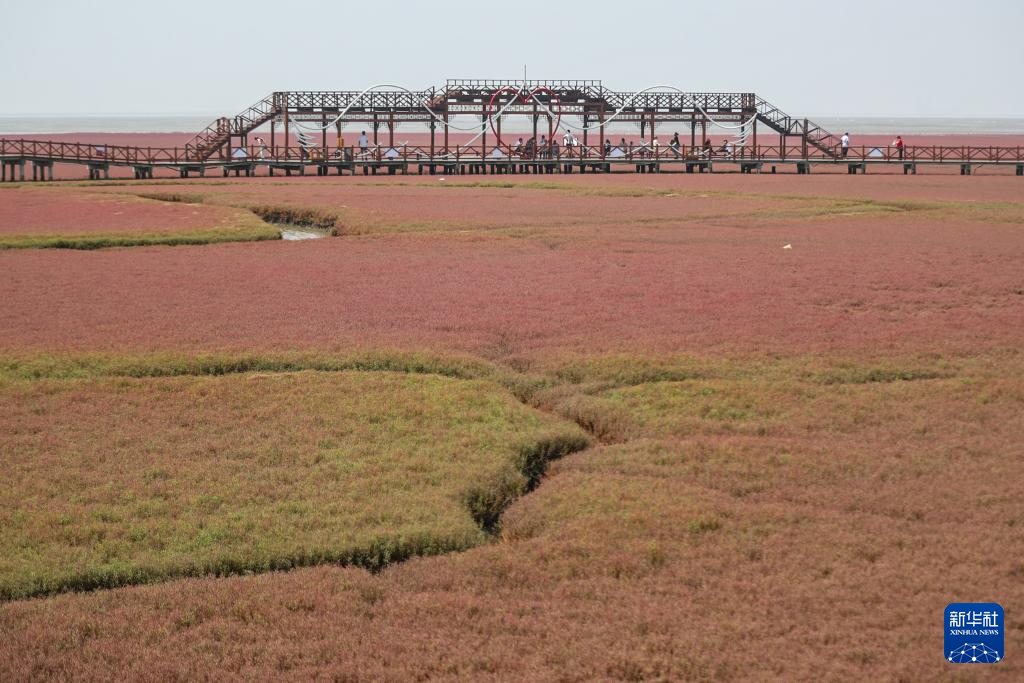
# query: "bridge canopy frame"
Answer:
x=478 y=98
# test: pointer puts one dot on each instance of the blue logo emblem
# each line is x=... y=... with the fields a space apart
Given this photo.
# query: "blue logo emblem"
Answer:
x=974 y=633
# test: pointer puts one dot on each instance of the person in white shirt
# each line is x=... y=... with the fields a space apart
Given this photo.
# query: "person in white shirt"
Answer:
x=364 y=142
x=568 y=141
x=845 y=143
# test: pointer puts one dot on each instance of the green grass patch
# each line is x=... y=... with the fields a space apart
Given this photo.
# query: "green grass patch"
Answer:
x=301 y=217
x=248 y=233
x=317 y=218
x=790 y=406
x=174 y=197
x=524 y=386
x=616 y=370
x=172 y=364
x=118 y=480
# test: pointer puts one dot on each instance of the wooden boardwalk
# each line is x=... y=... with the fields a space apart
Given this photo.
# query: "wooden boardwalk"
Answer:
x=22 y=160
x=225 y=144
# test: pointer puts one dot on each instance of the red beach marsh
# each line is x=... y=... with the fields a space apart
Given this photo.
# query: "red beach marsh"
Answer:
x=567 y=265
x=543 y=427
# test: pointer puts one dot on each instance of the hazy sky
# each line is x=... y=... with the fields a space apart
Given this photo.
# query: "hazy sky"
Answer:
x=863 y=57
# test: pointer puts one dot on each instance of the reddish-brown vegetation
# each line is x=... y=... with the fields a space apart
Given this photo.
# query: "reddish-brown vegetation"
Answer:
x=33 y=217
x=689 y=272
x=820 y=516
x=63 y=211
x=807 y=452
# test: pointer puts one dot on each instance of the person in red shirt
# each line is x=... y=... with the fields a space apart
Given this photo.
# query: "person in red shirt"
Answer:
x=899 y=146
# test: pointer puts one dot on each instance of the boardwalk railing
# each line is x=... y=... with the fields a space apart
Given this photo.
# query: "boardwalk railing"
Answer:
x=78 y=152
x=101 y=154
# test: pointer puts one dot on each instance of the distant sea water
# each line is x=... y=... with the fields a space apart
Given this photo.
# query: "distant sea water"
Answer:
x=920 y=126
x=52 y=123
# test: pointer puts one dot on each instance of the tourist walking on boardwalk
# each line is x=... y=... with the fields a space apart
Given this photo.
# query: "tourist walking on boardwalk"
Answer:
x=898 y=142
x=607 y=146
x=844 y=142
x=707 y=150
x=674 y=145
x=262 y=146
x=518 y=147
x=542 y=149
x=568 y=141
x=364 y=142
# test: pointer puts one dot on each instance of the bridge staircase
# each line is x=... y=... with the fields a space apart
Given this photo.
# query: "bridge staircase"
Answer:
x=783 y=123
x=219 y=133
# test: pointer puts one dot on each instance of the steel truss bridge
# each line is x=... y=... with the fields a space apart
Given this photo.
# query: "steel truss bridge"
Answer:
x=480 y=106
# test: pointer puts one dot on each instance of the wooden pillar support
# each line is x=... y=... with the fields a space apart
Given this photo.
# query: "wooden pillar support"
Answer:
x=287 y=142
x=433 y=130
x=754 y=131
x=323 y=141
